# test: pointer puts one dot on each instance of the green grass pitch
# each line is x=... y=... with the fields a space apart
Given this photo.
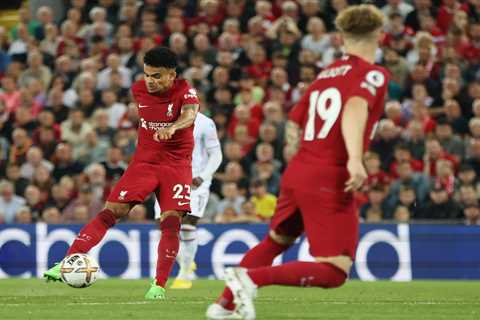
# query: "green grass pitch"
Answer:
x=123 y=299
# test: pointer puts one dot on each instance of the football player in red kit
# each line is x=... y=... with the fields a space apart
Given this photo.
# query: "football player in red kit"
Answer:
x=332 y=125
x=167 y=109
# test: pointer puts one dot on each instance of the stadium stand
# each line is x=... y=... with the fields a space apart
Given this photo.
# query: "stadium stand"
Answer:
x=68 y=124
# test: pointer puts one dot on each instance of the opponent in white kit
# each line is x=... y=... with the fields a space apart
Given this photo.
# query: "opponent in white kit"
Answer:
x=206 y=158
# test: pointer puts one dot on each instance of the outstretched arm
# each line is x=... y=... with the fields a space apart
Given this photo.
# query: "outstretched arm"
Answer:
x=185 y=120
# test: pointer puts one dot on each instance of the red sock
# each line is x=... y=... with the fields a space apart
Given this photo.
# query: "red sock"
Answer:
x=260 y=255
x=93 y=232
x=167 y=248
x=299 y=274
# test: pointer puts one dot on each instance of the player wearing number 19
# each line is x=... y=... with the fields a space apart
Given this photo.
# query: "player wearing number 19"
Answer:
x=162 y=163
x=332 y=124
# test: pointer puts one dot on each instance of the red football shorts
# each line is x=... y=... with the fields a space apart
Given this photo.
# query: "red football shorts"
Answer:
x=330 y=224
x=171 y=185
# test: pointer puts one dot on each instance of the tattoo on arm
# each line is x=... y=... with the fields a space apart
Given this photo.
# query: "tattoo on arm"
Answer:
x=292 y=135
x=187 y=116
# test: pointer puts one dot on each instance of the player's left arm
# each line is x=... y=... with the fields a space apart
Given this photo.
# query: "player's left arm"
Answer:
x=187 y=116
x=185 y=120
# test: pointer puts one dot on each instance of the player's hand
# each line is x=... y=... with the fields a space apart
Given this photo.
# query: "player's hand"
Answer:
x=358 y=175
x=163 y=134
x=196 y=182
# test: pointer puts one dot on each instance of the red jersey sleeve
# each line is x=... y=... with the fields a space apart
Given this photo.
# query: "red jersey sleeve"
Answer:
x=371 y=84
x=298 y=112
x=189 y=96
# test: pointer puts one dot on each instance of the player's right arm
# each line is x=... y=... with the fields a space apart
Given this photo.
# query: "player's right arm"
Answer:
x=354 y=121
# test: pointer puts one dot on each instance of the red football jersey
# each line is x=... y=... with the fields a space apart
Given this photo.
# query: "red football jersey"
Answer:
x=320 y=110
x=160 y=111
x=319 y=113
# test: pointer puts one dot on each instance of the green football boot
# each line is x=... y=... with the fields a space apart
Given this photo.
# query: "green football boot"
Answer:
x=155 y=292
x=53 y=274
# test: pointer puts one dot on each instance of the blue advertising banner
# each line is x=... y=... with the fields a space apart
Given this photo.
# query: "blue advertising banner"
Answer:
x=396 y=252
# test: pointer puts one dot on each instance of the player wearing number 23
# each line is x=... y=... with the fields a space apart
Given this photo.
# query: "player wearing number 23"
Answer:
x=167 y=107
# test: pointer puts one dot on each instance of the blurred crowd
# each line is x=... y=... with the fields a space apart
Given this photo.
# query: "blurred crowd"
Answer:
x=68 y=123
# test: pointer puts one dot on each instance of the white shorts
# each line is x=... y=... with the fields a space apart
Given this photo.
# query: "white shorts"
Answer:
x=198 y=203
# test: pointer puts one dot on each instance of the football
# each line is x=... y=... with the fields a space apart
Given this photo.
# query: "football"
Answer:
x=79 y=270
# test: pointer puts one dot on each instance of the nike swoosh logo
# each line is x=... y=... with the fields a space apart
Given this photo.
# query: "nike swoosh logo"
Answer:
x=140 y=106
x=180 y=203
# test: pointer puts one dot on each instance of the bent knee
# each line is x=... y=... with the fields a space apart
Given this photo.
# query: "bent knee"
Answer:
x=343 y=263
x=337 y=279
x=119 y=210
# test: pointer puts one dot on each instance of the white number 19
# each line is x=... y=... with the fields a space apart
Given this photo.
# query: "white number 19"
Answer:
x=318 y=104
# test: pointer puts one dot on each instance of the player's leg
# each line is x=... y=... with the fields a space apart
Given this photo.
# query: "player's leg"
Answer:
x=173 y=195
x=332 y=232
x=94 y=231
x=135 y=184
x=285 y=227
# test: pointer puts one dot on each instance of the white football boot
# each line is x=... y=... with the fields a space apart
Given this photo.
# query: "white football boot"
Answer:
x=216 y=312
x=244 y=291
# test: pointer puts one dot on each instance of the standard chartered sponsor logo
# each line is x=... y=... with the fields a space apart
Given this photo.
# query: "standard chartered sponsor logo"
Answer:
x=151 y=125
x=29 y=251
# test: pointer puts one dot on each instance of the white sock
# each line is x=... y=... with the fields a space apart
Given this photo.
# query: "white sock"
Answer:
x=188 y=249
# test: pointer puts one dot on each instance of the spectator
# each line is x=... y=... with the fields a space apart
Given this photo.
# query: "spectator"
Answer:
x=75 y=130
x=51 y=215
x=408 y=200
x=263 y=201
x=451 y=143
x=439 y=206
x=376 y=196
x=36 y=70
x=10 y=203
x=375 y=174
x=34 y=201
x=316 y=40
x=407 y=177
x=96 y=177
x=415 y=139
x=23 y=216
x=232 y=200
x=397 y=6
x=434 y=152
x=34 y=160
x=402 y=214
x=472 y=215
x=21 y=144
x=93 y=149
x=402 y=154
x=85 y=199
x=114 y=109
x=385 y=141
x=65 y=163
x=14 y=176
x=445 y=176
x=467 y=175
x=467 y=195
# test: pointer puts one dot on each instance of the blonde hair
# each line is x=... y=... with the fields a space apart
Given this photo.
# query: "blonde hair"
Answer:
x=360 y=21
